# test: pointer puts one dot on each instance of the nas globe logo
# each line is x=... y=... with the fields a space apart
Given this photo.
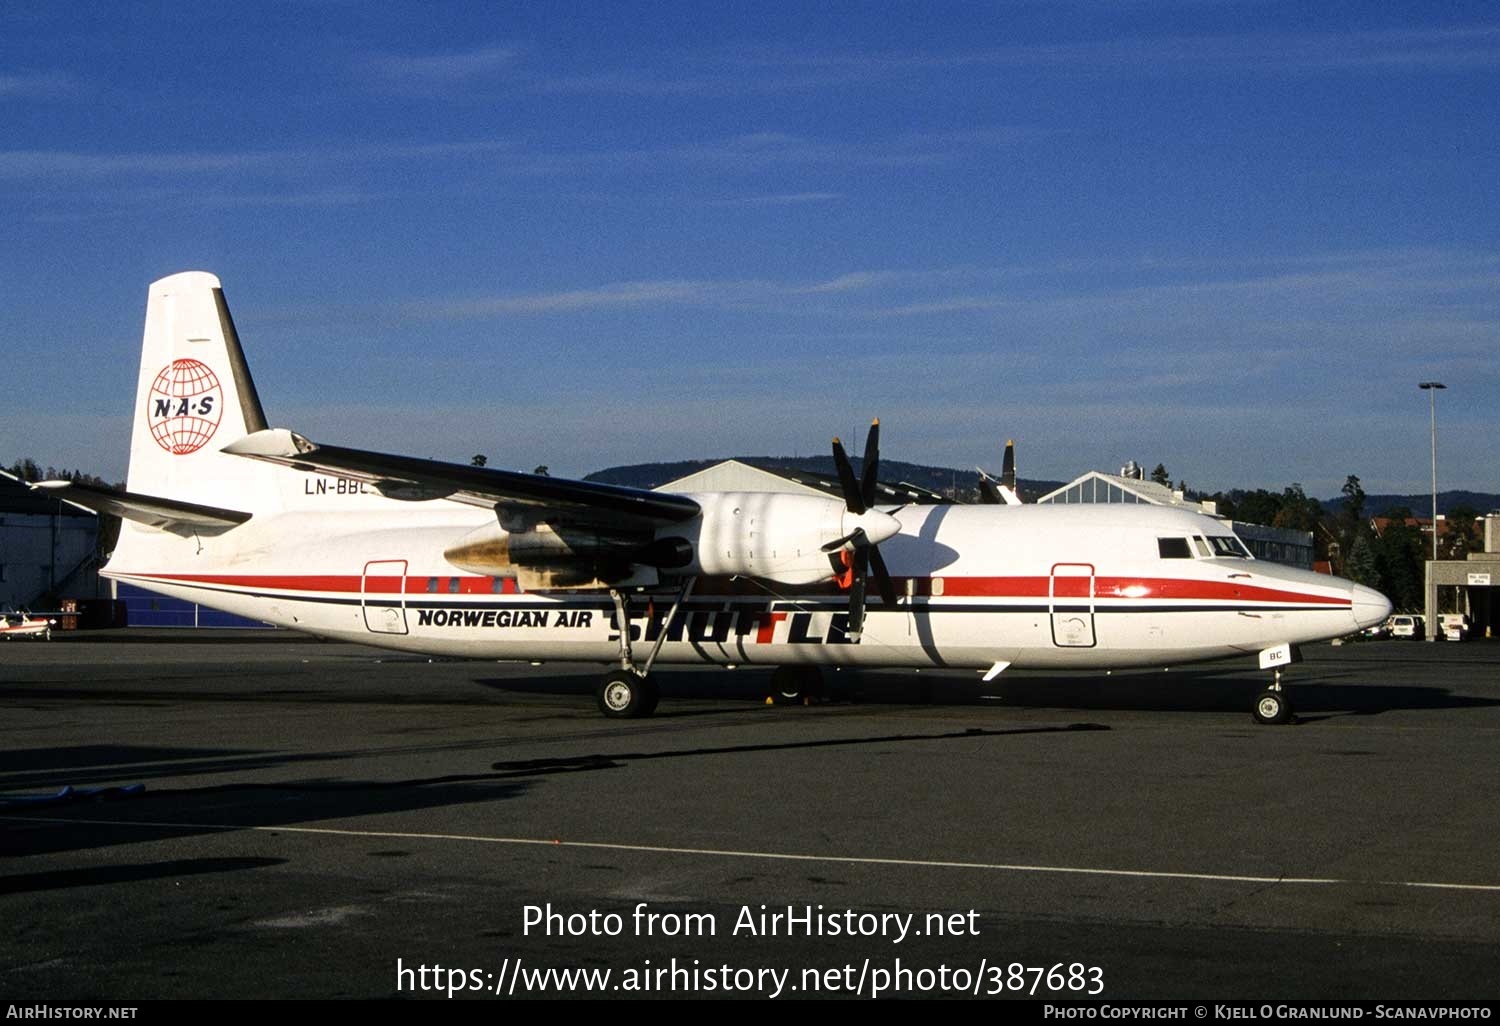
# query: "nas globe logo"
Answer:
x=184 y=406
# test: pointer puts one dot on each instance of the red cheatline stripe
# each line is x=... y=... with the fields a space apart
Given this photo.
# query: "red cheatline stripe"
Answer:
x=1130 y=588
x=1224 y=591
x=280 y=582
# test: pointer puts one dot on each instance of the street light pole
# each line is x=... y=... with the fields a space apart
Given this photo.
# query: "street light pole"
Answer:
x=1431 y=388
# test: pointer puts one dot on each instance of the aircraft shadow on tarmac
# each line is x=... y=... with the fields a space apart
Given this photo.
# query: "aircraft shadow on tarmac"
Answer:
x=47 y=812
x=104 y=876
x=1319 y=693
x=617 y=760
x=1207 y=692
x=48 y=823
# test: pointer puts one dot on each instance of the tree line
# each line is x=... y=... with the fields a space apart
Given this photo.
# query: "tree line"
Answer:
x=1390 y=559
x=30 y=471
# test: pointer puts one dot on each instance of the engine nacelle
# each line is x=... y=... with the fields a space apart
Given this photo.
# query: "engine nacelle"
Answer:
x=773 y=535
x=545 y=557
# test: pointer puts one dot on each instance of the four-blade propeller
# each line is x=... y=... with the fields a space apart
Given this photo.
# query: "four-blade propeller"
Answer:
x=866 y=528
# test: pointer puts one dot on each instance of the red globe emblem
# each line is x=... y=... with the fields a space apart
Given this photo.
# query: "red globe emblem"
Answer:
x=184 y=406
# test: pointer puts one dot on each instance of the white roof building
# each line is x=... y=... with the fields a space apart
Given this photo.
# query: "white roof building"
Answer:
x=1096 y=486
x=1274 y=544
x=734 y=476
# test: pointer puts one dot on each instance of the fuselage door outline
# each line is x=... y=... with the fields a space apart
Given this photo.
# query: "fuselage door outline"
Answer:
x=383 y=596
x=1070 y=601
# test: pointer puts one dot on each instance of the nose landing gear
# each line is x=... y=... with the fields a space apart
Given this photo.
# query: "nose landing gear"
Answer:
x=1274 y=705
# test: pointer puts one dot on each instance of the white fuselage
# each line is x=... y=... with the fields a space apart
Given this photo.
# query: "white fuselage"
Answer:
x=1032 y=586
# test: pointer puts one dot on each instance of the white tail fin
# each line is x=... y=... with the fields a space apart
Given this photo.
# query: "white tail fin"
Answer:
x=194 y=397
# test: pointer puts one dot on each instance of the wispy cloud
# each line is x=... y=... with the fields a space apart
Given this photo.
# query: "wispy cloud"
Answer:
x=739 y=154
x=852 y=282
x=34 y=85
x=779 y=70
x=1087 y=309
x=317 y=198
x=1438 y=49
x=51 y=164
x=765 y=295
x=618 y=294
x=429 y=72
x=951 y=305
x=780 y=199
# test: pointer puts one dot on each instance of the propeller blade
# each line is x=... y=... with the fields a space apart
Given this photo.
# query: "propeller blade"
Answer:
x=858 y=538
x=882 y=577
x=871 y=465
x=857 y=591
x=847 y=481
x=859 y=499
x=1008 y=469
x=988 y=494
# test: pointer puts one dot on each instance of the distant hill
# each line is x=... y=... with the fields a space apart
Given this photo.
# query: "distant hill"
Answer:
x=965 y=483
x=937 y=479
x=1421 y=503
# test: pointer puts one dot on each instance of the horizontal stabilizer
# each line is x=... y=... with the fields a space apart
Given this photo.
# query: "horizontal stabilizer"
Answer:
x=994 y=492
x=522 y=496
x=164 y=514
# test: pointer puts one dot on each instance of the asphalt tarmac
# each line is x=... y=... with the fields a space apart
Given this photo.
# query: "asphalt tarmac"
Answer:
x=324 y=820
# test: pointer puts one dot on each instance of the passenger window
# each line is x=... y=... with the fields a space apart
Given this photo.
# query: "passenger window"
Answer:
x=1173 y=548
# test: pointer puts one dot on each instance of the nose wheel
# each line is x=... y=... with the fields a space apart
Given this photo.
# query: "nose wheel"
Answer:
x=1273 y=705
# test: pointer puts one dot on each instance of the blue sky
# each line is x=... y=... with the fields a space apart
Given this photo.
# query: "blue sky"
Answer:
x=1230 y=237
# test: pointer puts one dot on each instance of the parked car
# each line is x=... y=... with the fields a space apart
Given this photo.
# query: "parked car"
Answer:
x=1407 y=626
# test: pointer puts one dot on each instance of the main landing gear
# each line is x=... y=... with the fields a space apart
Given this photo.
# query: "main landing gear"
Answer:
x=625 y=694
x=629 y=692
x=791 y=685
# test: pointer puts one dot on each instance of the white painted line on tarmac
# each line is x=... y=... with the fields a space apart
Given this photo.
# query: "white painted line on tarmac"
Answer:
x=848 y=860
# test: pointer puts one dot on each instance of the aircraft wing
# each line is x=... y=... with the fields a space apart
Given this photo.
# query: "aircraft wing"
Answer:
x=153 y=511
x=524 y=495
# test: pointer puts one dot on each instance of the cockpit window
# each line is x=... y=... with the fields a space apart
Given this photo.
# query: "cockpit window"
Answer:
x=1204 y=552
x=1173 y=548
x=1229 y=545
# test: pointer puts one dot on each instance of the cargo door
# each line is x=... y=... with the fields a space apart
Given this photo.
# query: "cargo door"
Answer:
x=1071 y=603
x=383 y=596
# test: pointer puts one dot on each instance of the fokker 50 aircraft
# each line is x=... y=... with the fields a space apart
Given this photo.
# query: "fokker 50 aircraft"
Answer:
x=440 y=558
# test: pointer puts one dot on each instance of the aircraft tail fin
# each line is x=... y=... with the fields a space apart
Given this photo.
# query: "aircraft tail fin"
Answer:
x=194 y=396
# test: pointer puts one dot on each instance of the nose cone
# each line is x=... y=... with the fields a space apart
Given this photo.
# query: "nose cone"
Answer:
x=1370 y=607
x=877 y=526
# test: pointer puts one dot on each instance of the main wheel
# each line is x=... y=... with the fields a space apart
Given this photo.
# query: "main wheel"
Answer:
x=652 y=697
x=623 y=695
x=1272 y=707
x=791 y=684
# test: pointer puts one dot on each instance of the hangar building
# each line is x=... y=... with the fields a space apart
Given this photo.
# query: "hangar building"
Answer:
x=1474 y=579
x=47 y=549
x=1273 y=544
